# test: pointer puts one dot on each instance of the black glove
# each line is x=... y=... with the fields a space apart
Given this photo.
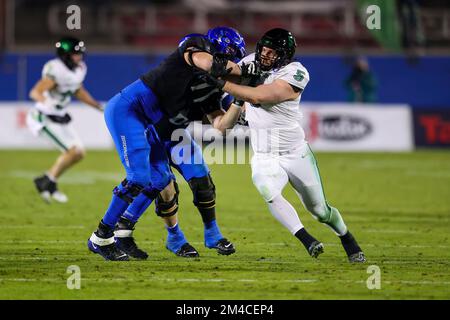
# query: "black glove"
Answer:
x=238 y=102
x=219 y=65
x=241 y=120
x=211 y=80
x=250 y=69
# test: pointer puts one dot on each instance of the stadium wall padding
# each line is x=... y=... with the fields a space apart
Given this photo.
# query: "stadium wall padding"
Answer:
x=328 y=127
x=423 y=83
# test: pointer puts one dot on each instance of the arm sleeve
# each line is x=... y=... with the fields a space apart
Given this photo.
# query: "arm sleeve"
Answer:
x=226 y=101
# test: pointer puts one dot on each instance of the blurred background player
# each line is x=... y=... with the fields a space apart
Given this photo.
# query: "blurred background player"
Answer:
x=361 y=83
x=281 y=153
x=62 y=78
x=159 y=98
x=203 y=99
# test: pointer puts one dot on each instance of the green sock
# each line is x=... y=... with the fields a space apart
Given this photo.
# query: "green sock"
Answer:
x=336 y=222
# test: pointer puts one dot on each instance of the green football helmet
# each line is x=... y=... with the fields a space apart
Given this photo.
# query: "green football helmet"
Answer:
x=282 y=41
x=67 y=46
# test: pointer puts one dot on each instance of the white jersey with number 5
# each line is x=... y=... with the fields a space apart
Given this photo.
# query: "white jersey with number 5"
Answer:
x=275 y=128
x=67 y=83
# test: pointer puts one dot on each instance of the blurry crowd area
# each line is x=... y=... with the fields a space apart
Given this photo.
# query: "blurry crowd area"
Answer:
x=319 y=25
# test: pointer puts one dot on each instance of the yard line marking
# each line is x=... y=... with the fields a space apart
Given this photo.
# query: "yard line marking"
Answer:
x=32 y=280
x=277 y=244
x=26 y=258
x=386 y=212
x=40 y=227
x=390 y=231
x=395 y=219
x=160 y=279
x=381 y=231
x=81 y=177
x=422 y=282
x=43 y=241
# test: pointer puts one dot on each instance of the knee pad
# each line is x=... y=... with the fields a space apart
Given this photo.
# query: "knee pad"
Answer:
x=268 y=177
x=265 y=187
x=204 y=192
x=127 y=190
x=151 y=192
x=167 y=208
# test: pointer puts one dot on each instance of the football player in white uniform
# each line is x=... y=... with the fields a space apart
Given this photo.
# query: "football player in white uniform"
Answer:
x=281 y=153
x=62 y=78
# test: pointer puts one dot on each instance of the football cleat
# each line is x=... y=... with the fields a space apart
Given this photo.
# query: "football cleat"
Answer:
x=224 y=247
x=215 y=240
x=123 y=235
x=315 y=249
x=41 y=183
x=177 y=243
x=358 y=257
x=187 y=251
x=352 y=249
x=108 y=252
x=48 y=190
x=106 y=246
x=129 y=246
x=58 y=196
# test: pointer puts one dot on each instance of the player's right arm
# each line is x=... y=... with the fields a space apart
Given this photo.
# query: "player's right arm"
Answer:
x=204 y=61
x=44 y=84
x=273 y=93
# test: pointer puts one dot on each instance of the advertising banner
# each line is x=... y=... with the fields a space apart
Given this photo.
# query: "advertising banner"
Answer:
x=432 y=128
x=356 y=127
x=14 y=133
x=328 y=127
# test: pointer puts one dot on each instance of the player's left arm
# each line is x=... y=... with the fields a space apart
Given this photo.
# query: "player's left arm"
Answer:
x=275 y=92
x=84 y=96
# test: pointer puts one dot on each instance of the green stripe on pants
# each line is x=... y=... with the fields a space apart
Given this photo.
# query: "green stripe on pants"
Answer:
x=54 y=138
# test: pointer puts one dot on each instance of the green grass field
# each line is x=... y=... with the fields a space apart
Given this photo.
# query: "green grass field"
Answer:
x=396 y=205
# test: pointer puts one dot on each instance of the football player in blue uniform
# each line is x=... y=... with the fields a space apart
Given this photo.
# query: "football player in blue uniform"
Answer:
x=193 y=167
x=162 y=98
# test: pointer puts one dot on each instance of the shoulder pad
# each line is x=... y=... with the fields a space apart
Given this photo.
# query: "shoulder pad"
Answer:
x=198 y=42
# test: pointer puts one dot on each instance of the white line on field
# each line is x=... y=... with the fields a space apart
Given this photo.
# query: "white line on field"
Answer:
x=81 y=177
x=425 y=282
x=380 y=231
x=40 y=227
x=277 y=244
x=14 y=258
x=390 y=212
x=392 y=231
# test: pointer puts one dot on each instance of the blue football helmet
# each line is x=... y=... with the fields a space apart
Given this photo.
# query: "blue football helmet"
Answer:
x=228 y=41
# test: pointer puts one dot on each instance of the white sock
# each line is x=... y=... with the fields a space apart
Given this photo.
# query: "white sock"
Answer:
x=285 y=213
x=52 y=178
